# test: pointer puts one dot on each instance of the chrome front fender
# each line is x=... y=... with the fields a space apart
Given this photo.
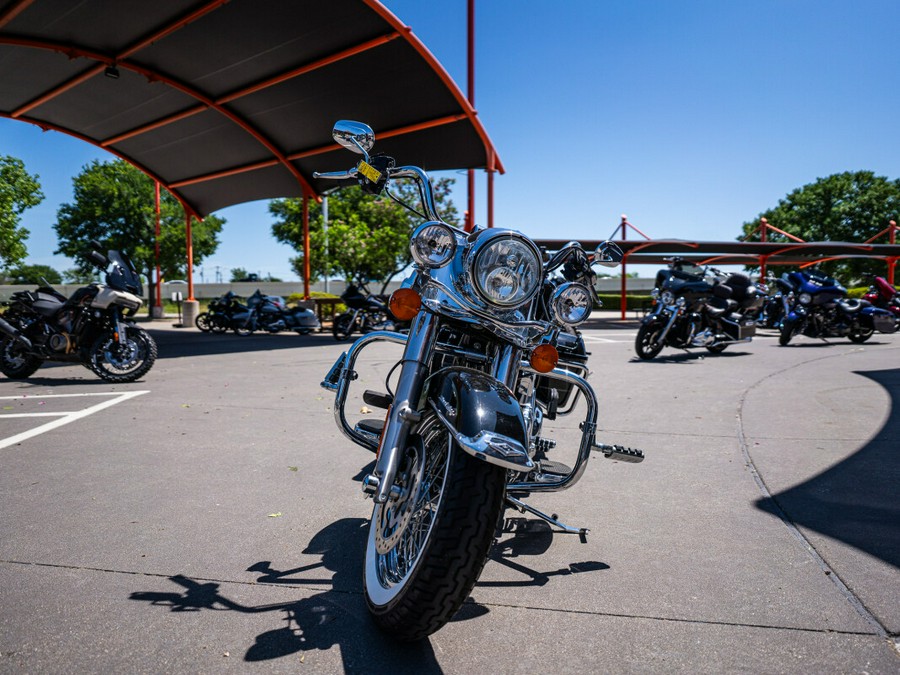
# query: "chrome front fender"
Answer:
x=482 y=416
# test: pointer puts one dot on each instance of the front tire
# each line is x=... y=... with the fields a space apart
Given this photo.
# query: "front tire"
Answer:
x=646 y=344
x=860 y=335
x=15 y=362
x=426 y=549
x=124 y=361
x=342 y=326
x=787 y=332
x=203 y=322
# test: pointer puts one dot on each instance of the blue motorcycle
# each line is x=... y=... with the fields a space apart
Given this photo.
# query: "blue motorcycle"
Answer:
x=817 y=306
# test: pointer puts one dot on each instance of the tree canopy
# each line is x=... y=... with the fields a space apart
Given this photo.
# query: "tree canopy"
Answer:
x=849 y=206
x=32 y=275
x=368 y=237
x=19 y=191
x=116 y=205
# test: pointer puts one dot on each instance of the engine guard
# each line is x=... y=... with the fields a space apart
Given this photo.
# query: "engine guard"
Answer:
x=483 y=417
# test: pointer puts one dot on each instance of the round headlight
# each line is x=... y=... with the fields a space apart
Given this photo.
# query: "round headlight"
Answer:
x=571 y=304
x=805 y=298
x=668 y=298
x=433 y=244
x=506 y=268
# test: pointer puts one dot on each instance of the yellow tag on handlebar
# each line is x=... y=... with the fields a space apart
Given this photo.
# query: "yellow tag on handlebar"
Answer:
x=369 y=171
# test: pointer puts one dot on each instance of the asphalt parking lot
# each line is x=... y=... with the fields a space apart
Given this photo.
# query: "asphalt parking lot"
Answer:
x=208 y=518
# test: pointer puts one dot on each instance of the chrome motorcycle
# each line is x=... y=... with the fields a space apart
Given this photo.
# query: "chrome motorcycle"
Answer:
x=93 y=327
x=698 y=307
x=492 y=354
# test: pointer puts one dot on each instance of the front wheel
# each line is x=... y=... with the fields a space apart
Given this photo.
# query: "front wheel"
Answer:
x=788 y=328
x=15 y=362
x=859 y=334
x=126 y=360
x=647 y=344
x=203 y=322
x=427 y=548
x=342 y=326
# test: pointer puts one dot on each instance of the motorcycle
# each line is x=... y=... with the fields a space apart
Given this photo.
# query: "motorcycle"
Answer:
x=270 y=313
x=690 y=311
x=818 y=308
x=492 y=353
x=883 y=295
x=225 y=313
x=93 y=327
x=366 y=312
x=775 y=304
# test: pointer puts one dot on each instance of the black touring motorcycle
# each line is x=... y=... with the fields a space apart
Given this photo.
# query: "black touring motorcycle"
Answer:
x=492 y=353
x=94 y=327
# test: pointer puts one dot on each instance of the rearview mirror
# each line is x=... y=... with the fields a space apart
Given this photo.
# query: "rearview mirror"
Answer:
x=98 y=259
x=355 y=136
x=608 y=254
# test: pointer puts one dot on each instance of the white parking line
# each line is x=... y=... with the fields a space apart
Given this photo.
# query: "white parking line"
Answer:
x=64 y=417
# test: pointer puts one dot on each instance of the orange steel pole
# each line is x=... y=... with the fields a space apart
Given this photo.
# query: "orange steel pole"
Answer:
x=892 y=263
x=624 y=237
x=306 y=247
x=763 y=228
x=190 y=256
x=158 y=302
x=470 y=20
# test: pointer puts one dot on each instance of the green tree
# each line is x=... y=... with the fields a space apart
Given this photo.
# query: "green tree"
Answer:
x=32 y=275
x=850 y=206
x=19 y=191
x=368 y=236
x=115 y=204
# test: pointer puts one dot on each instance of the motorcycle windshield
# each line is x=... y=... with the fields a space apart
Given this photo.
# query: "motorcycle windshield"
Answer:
x=122 y=274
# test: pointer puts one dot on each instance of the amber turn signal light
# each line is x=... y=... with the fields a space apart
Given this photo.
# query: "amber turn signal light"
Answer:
x=405 y=303
x=544 y=358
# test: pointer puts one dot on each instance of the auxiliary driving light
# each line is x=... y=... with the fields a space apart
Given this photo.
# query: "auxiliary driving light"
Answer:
x=433 y=244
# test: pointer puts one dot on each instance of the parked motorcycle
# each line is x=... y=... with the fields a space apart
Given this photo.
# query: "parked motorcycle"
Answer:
x=271 y=314
x=366 y=312
x=93 y=327
x=691 y=311
x=883 y=295
x=225 y=313
x=492 y=353
x=819 y=308
x=775 y=304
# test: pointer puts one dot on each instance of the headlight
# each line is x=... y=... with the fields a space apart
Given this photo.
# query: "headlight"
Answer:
x=667 y=298
x=505 y=268
x=571 y=304
x=433 y=244
x=805 y=298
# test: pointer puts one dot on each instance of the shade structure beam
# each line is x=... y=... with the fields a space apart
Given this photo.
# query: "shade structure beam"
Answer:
x=152 y=75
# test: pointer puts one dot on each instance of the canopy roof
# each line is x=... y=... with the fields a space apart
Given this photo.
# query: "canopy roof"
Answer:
x=228 y=101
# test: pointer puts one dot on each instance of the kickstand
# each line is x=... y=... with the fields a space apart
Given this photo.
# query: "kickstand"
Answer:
x=523 y=507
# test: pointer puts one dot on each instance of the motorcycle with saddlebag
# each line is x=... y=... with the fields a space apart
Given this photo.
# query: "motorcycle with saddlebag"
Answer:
x=691 y=311
x=492 y=353
x=818 y=308
x=93 y=327
x=365 y=312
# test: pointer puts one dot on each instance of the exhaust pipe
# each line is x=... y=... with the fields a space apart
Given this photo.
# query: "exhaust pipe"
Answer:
x=14 y=333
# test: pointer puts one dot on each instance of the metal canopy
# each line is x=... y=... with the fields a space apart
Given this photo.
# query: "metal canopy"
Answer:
x=228 y=101
x=657 y=251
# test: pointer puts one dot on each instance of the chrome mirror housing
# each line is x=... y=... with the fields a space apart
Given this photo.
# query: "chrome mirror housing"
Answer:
x=355 y=136
x=608 y=254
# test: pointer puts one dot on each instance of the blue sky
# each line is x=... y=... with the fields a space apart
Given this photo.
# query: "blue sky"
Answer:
x=690 y=116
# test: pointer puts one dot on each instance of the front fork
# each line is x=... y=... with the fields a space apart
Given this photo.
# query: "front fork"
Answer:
x=674 y=312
